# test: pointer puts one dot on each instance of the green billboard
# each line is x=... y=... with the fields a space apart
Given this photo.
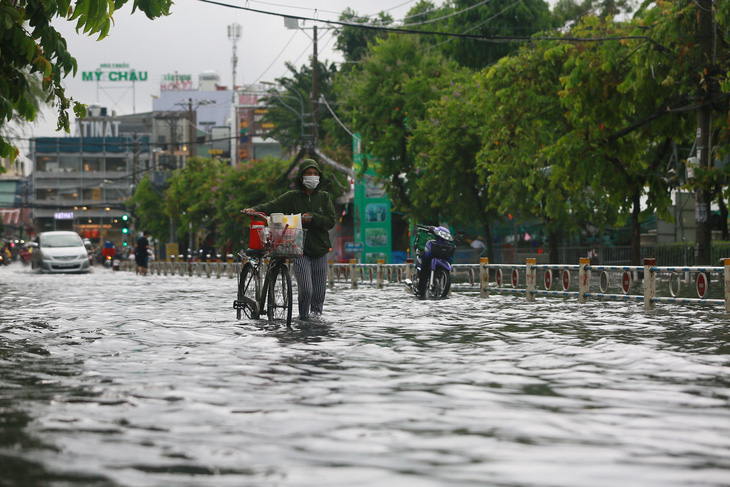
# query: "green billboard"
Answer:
x=372 y=212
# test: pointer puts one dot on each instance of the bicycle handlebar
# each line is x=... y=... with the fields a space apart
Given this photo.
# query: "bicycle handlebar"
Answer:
x=253 y=213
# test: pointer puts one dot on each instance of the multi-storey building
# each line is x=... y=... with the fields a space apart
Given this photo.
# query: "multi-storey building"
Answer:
x=81 y=183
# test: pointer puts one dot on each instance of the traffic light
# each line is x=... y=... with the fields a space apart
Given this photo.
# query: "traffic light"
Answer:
x=125 y=227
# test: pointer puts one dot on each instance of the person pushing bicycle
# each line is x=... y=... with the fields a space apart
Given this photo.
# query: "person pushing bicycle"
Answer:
x=318 y=217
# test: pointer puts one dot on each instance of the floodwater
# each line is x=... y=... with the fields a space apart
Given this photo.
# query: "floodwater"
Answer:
x=113 y=379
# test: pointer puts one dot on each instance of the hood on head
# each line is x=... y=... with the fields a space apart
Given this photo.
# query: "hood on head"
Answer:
x=306 y=164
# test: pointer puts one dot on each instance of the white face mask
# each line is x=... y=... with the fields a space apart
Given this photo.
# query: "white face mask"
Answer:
x=310 y=182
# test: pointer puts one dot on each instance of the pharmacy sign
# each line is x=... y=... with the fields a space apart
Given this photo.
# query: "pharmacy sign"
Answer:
x=114 y=72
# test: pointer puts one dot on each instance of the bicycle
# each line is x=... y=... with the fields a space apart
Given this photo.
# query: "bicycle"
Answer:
x=278 y=244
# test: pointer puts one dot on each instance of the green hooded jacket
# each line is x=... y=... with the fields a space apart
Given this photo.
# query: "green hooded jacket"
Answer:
x=318 y=204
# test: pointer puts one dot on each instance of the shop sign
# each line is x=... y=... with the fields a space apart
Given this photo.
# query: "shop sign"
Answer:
x=63 y=215
x=114 y=72
x=97 y=128
x=176 y=82
x=248 y=100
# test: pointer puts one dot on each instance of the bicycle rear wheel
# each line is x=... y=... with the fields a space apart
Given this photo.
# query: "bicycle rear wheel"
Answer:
x=247 y=293
x=280 y=295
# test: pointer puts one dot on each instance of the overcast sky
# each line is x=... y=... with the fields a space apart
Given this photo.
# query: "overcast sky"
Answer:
x=194 y=38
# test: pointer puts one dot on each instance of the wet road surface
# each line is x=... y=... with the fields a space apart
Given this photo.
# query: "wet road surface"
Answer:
x=112 y=379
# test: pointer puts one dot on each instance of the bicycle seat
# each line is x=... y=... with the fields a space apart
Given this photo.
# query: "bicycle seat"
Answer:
x=255 y=253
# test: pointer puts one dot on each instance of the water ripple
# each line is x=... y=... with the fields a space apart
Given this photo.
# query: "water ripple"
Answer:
x=113 y=379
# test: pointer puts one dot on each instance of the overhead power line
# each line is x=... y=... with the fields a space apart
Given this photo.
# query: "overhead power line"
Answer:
x=452 y=14
x=484 y=38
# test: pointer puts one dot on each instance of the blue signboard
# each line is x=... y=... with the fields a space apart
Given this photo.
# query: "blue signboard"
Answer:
x=353 y=247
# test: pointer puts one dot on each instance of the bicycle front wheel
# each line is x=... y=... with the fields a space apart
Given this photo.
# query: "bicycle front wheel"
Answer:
x=247 y=294
x=280 y=295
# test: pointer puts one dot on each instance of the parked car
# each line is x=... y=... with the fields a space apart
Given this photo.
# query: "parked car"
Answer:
x=60 y=252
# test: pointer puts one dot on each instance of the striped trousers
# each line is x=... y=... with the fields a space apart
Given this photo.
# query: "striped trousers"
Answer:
x=311 y=274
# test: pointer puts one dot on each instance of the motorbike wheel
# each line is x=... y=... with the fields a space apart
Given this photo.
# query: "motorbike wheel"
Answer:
x=441 y=284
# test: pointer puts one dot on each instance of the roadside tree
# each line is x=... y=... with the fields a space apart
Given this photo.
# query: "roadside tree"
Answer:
x=243 y=187
x=384 y=97
x=522 y=116
x=620 y=138
x=446 y=143
x=33 y=52
x=147 y=204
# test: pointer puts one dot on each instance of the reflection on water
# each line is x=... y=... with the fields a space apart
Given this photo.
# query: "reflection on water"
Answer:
x=113 y=379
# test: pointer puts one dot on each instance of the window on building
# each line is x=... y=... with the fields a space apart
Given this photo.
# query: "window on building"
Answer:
x=116 y=164
x=69 y=164
x=92 y=164
x=47 y=195
x=69 y=194
x=46 y=164
x=91 y=194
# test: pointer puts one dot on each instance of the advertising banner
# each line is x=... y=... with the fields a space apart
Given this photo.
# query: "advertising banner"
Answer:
x=372 y=213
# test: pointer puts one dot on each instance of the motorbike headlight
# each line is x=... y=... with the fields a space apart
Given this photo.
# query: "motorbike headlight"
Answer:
x=444 y=235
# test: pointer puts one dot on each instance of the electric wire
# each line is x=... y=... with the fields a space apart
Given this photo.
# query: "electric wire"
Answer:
x=277 y=57
x=453 y=14
x=482 y=22
x=334 y=115
x=484 y=38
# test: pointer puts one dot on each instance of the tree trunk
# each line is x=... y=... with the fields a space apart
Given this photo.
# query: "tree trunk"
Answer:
x=636 y=228
x=703 y=234
x=554 y=238
x=723 y=215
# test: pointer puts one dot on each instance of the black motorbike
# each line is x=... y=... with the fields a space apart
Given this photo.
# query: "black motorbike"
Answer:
x=434 y=249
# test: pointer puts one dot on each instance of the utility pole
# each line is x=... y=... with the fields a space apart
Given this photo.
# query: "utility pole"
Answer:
x=315 y=86
x=135 y=160
x=191 y=128
x=705 y=34
x=234 y=33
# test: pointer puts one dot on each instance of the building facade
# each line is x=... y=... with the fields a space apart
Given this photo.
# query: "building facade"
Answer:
x=81 y=183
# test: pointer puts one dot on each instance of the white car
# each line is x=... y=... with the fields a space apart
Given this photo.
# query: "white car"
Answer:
x=60 y=252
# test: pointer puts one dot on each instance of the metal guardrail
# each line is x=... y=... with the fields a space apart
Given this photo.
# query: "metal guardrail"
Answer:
x=476 y=277
x=382 y=275
x=190 y=269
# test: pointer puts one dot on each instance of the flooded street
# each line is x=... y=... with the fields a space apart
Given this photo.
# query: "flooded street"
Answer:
x=113 y=379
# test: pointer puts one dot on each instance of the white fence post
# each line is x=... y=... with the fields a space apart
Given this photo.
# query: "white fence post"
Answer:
x=726 y=276
x=584 y=279
x=353 y=274
x=379 y=274
x=649 y=283
x=483 y=277
x=530 y=278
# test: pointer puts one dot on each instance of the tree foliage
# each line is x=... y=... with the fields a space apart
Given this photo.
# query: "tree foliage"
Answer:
x=384 y=97
x=446 y=143
x=243 y=187
x=523 y=116
x=353 y=41
x=148 y=207
x=207 y=194
x=32 y=50
x=504 y=18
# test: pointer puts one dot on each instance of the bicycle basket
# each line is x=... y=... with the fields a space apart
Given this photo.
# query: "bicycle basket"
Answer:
x=283 y=241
